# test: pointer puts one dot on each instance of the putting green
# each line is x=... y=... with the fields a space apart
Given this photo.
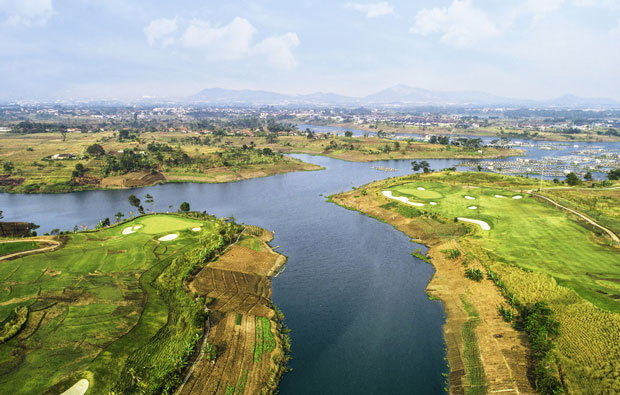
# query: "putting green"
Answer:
x=412 y=190
x=165 y=223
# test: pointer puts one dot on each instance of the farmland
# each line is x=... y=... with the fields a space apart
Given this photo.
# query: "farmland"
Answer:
x=110 y=306
x=246 y=330
x=537 y=253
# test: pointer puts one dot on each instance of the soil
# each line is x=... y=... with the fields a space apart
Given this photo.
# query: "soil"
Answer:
x=239 y=281
x=133 y=180
x=503 y=350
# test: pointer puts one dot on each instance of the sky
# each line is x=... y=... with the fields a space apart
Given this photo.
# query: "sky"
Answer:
x=126 y=49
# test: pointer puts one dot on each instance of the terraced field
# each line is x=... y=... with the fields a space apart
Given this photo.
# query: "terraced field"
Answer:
x=244 y=327
x=92 y=303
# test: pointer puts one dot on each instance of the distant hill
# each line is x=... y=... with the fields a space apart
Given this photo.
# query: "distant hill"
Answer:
x=396 y=95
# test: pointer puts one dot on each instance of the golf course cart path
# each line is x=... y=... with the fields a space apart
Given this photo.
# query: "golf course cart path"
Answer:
x=53 y=245
x=611 y=234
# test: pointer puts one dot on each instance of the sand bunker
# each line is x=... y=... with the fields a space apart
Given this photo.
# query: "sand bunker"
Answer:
x=500 y=197
x=470 y=198
x=472 y=207
x=169 y=237
x=483 y=225
x=517 y=197
x=433 y=203
x=78 y=388
x=130 y=230
x=421 y=189
x=403 y=199
x=195 y=229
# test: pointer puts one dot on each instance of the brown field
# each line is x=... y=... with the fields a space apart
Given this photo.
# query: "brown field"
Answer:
x=239 y=284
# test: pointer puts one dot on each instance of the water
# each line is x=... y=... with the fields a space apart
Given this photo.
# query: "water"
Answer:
x=351 y=292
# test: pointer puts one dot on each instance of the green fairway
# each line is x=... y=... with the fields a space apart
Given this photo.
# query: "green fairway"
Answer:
x=11 y=248
x=89 y=309
x=532 y=235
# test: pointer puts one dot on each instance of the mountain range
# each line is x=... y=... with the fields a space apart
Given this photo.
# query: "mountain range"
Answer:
x=399 y=95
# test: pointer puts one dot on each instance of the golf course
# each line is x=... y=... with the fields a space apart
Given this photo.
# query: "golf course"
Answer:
x=531 y=251
x=110 y=306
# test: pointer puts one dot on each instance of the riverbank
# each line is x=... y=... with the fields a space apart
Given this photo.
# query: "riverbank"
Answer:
x=247 y=338
x=553 y=264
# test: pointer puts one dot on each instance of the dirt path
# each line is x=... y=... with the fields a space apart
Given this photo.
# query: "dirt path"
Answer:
x=53 y=244
x=611 y=234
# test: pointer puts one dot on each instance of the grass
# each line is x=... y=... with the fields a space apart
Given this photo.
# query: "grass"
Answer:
x=11 y=248
x=473 y=363
x=552 y=243
x=265 y=341
x=86 y=300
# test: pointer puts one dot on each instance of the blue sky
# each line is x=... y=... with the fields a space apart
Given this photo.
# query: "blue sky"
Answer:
x=127 y=49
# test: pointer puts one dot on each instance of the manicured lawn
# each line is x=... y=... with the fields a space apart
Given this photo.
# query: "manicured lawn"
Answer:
x=532 y=235
x=88 y=304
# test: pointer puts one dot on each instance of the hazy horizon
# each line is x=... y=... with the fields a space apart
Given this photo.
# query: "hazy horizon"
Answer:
x=92 y=49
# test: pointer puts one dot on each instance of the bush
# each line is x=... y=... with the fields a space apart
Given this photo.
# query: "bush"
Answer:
x=474 y=274
x=506 y=313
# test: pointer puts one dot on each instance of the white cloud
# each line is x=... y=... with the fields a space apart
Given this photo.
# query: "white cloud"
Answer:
x=26 y=12
x=228 y=42
x=279 y=50
x=372 y=10
x=460 y=25
x=159 y=29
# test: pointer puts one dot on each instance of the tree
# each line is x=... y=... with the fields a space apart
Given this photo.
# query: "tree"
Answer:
x=149 y=199
x=1 y=216
x=348 y=133
x=134 y=201
x=118 y=216
x=572 y=179
x=184 y=207
x=588 y=176
x=8 y=167
x=95 y=150
x=614 y=174
x=423 y=165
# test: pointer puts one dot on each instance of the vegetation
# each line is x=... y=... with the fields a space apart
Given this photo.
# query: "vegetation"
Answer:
x=13 y=247
x=13 y=323
x=473 y=363
x=265 y=341
x=131 y=347
x=474 y=274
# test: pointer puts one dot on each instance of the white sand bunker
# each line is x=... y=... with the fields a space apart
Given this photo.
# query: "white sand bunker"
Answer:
x=403 y=199
x=517 y=197
x=483 y=225
x=131 y=229
x=169 y=237
x=195 y=229
x=421 y=189
x=433 y=203
x=472 y=207
x=470 y=198
x=500 y=197
x=78 y=388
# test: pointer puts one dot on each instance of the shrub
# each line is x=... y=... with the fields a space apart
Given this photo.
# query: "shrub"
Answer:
x=474 y=274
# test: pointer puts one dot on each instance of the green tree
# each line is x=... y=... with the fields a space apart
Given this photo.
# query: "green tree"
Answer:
x=348 y=133
x=588 y=176
x=118 y=216
x=95 y=150
x=572 y=179
x=184 y=207
x=614 y=174
x=134 y=201
x=8 y=167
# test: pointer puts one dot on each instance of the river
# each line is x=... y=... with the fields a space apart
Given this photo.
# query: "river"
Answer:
x=351 y=292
